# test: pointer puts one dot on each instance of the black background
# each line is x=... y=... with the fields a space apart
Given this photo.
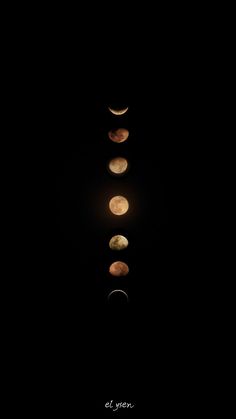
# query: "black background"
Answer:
x=92 y=352
x=85 y=226
x=123 y=349
x=72 y=352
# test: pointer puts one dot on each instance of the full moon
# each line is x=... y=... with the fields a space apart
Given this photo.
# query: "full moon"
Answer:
x=118 y=165
x=119 y=269
x=118 y=242
x=118 y=135
x=118 y=205
x=118 y=111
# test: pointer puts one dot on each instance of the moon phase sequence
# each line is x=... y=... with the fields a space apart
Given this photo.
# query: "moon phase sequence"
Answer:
x=118 y=165
x=118 y=135
x=119 y=269
x=118 y=111
x=118 y=242
x=118 y=205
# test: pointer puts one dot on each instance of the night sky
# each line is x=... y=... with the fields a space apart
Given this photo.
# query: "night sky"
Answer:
x=75 y=351
x=119 y=344
x=84 y=226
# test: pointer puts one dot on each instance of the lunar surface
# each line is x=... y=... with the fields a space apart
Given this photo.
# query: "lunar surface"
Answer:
x=118 y=242
x=119 y=269
x=118 y=165
x=118 y=111
x=118 y=135
x=118 y=205
x=118 y=296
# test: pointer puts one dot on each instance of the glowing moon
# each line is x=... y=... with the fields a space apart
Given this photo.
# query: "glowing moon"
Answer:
x=118 y=205
x=118 y=296
x=119 y=269
x=118 y=165
x=118 y=111
x=118 y=242
x=118 y=135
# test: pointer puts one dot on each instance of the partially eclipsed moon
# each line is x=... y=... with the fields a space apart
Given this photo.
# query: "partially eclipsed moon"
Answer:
x=118 y=135
x=118 y=242
x=118 y=165
x=118 y=296
x=118 y=205
x=119 y=269
x=118 y=111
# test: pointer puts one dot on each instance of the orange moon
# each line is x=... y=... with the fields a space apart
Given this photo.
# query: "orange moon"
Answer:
x=118 y=135
x=119 y=269
x=118 y=205
x=118 y=165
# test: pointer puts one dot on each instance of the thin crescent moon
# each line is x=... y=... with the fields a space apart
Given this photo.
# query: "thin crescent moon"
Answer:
x=118 y=112
x=123 y=292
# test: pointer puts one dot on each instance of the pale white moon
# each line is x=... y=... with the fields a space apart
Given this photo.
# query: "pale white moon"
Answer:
x=118 y=293
x=118 y=205
x=118 y=242
x=118 y=165
x=118 y=111
x=119 y=269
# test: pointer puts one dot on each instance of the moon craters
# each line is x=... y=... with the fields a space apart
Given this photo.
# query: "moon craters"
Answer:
x=118 y=135
x=119 y=269
x=118 y=205
x=118 y=242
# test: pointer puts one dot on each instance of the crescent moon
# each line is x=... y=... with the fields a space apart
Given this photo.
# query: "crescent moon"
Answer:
x=118 y=111
x=113 y=292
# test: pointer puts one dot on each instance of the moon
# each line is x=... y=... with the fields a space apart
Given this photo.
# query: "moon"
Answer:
x=118 y=205
x=118 y=135
x=118 y=242
x=118 y=165
x=119 y=269
x=118 y=111
x=118 y=296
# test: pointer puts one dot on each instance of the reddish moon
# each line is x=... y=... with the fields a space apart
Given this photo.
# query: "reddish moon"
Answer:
x=118 y=135
x=119 y=269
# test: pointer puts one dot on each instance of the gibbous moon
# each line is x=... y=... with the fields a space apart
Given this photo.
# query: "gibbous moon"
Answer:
x=118 y=135
x=119 y=269
x=118 y=242
x=118 y=111
x=118 y=205
x=118 y=296
x=118 y=165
